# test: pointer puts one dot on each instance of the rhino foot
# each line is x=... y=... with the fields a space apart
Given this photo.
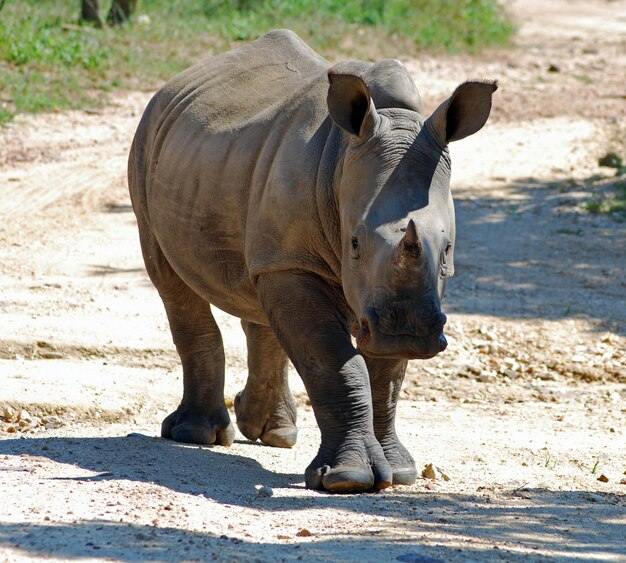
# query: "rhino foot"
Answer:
x=349 y=471
x=401 y=461
x=192 y=427
x=273 y=424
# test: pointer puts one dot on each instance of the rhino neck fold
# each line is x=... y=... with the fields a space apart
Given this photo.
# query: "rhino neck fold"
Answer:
x=327 y=193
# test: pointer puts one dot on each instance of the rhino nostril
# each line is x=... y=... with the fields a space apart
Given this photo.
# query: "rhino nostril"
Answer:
x=443 y=343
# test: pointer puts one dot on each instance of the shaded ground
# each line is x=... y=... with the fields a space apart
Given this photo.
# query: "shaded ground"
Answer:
x=524 y=411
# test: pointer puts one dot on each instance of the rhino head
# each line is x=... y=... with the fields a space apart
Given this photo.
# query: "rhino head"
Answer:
x=397 y=213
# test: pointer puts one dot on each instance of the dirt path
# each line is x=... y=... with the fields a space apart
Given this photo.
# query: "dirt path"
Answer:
x=524 y=412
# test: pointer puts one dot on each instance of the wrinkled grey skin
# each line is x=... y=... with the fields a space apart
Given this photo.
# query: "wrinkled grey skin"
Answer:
x=312 y=202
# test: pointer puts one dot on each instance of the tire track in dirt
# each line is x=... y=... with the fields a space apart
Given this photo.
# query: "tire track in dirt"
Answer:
x=25 y=193
x=53 y=156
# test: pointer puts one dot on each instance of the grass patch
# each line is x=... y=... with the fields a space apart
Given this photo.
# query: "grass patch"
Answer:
x=566 y=231
x=612 y=202
x=436 y=25
x=583 y=78
x=48 y=62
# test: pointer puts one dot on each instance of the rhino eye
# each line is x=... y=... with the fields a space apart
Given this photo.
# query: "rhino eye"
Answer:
x=358 y=242
x=356 y=251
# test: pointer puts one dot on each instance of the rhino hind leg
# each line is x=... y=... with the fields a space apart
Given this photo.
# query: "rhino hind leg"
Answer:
x=265 y=409
x=202 y=416
x=386 y=378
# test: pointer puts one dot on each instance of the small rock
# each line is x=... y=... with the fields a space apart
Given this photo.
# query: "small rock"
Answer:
x=510 y=373
x=51 y=422
x=488 y=334
x=304 y=533
x=264 y=491
x=554 y=68
x=614 y=396
x=11 y=429
x=24 y=416
x=603 y=478
x=611 y=160
x=8 y=414
x=548 y=376
x=51 y=355
x=486 y=377
x=435 y=473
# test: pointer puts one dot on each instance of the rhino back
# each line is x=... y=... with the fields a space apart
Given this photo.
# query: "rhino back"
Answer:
x=228 y=152
x=228 y=91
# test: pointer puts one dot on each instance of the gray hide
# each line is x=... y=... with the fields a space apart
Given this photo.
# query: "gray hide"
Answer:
x=311 y=201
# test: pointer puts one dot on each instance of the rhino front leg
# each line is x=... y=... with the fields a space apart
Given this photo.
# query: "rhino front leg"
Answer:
x=202 y=417
x=306 y=315
x=265 y=409
x=386 y=378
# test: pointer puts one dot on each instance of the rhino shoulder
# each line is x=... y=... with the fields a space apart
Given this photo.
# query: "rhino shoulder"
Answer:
x=284 y=44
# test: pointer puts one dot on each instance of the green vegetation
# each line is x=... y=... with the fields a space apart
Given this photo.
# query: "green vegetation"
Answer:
x=437 y=25
x=566 y=231
x=612 y=201
x=49 y=62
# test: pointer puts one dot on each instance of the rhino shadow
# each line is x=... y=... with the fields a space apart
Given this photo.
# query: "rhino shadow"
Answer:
x=184 y=468
x=572 y=524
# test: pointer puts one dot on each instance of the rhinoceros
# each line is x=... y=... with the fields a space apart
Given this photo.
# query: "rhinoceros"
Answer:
x=312 y=201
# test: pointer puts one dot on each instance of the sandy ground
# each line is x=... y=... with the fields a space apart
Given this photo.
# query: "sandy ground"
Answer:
x=524 y=414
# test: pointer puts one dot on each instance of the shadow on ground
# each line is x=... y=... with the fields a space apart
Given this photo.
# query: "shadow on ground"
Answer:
x=572 y=524
x=535 y=252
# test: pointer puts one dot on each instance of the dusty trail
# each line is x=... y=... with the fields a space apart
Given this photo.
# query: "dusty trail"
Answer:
x=524 y=412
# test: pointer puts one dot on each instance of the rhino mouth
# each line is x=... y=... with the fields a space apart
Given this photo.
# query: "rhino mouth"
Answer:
x=378 y=338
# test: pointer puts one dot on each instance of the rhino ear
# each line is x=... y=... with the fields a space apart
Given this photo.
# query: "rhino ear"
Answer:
x=463 y=113
x=350 y=104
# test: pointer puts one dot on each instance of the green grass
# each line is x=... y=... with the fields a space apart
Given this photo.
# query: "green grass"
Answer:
x=566 y=231
x=48 y=62
x=612 y=203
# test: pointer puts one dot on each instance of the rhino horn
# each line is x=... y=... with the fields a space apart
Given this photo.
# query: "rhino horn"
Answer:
x=410 y=241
